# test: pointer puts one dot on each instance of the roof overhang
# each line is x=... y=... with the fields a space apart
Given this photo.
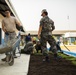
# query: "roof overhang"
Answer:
x=55 y=32
x=70 y=34
x=7 y=5
x=3 y=7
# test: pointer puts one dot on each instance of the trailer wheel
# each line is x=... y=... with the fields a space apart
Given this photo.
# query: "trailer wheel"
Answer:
x=11 y=60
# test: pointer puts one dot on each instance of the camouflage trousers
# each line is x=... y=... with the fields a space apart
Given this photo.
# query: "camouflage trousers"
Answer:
x=48 y=38
x=9 y=40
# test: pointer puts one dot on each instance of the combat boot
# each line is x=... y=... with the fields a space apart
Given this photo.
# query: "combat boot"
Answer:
x=4 y=59
x=56 y=56
x=46 y=59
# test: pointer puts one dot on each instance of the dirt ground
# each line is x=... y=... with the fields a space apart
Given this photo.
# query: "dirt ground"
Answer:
x=54 y=67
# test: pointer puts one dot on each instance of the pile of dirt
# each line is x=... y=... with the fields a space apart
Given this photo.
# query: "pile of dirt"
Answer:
x=54 y=67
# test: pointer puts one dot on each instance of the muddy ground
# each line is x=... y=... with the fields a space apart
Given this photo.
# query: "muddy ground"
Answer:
x=54 y=67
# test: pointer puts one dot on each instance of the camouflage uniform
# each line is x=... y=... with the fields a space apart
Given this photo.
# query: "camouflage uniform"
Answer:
x=46 y=35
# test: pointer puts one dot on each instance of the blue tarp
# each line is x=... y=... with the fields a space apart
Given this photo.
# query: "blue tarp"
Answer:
x=69 y=53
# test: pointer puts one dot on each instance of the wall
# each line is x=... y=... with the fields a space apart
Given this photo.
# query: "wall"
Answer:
x=1 y=17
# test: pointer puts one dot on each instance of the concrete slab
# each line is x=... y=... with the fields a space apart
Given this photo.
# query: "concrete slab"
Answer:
x=20 y=66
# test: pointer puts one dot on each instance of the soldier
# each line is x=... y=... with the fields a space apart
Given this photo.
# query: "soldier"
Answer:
x=45 y=34
x=9 y=28
x=28 y=38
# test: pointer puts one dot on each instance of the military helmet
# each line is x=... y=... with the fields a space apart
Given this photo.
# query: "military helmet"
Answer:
x=44 y=10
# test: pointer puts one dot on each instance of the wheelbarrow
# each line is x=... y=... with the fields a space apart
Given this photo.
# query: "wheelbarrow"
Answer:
x=10 y=47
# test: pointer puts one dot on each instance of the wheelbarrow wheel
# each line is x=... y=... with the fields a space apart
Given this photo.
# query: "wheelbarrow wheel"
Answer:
x=10 y=60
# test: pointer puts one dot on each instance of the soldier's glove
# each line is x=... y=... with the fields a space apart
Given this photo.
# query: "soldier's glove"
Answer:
x=21 y=28
x=6 y=33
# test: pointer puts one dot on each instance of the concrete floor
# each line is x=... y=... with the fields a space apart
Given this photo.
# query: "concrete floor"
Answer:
x=20 y=66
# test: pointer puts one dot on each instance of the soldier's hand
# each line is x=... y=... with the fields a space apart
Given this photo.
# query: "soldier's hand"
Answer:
x=6 y=33
x=21 y=28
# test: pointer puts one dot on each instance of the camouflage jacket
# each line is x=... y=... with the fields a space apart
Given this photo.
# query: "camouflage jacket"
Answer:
x=46 y=24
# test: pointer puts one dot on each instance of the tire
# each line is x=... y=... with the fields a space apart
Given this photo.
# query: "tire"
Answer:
x=10 y=60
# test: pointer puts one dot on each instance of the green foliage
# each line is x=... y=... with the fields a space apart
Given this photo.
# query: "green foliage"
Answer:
x=70 y=58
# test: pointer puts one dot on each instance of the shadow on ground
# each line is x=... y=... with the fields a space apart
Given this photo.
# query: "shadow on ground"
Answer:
x=54 y=67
